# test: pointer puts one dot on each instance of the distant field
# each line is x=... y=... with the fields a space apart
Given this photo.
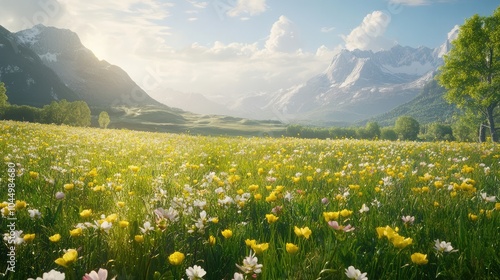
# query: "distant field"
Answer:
x=169 y=120
x=148 y=205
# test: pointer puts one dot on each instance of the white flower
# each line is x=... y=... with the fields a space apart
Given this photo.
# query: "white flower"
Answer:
x=443 y=246
x=14 y=238
x=353 y=273
x=51 y=275
x=364 y=208
x=60 y=195
x=195 y=272
x=34 y=214
x=238 y=276
x=487 y=198
x=147 y=227
x=106 y=226
x=408 y=219
x=102 y=274
x=250 y=264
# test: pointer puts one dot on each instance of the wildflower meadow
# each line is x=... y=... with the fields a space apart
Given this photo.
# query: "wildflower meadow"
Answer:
x=85 y=203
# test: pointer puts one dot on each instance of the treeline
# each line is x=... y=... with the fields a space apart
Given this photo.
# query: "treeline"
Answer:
x=75 y=113
x=405 y=128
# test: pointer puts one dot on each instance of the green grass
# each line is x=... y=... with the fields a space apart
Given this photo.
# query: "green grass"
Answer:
x=208 y=180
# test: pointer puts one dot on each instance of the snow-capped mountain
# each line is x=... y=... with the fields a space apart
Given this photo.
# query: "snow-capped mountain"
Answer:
x=96 y=81
x=356 y=85
x=27 y=79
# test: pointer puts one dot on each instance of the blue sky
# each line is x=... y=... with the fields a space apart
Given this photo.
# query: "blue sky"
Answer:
x=234 y=47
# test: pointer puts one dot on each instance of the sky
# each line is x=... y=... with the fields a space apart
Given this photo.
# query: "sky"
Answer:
x=230 y=48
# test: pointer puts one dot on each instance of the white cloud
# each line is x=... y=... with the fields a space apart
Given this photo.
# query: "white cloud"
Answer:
x=250 y=7
x=327 y=29
x=283 y=37
x=369 y=35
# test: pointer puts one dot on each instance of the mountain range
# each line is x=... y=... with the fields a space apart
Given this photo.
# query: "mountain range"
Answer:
x=43 y=63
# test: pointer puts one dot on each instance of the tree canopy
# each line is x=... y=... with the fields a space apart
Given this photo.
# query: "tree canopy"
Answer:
x=471 y=70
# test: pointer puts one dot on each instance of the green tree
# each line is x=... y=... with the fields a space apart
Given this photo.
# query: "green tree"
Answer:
x=388 y=134
x=78 y=114
x=3 y=99
x=439 y=132
x=407 y=128
x=471 y=70
x=373 y=130
x=104 y=119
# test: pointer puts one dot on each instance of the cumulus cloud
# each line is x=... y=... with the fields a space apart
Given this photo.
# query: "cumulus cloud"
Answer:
x=249 y=7
x=369 y=35
x=283 y=37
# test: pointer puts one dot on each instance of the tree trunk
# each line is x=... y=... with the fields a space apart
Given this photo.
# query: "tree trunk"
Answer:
x=491 y=123
x=482 y=133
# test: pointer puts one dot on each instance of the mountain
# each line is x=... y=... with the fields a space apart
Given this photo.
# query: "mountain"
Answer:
x=357 y=85
x=27 y=79
x=429 y=106
x=96 y=81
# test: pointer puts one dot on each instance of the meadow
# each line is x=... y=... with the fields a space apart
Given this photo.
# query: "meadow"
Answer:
x=144 y=205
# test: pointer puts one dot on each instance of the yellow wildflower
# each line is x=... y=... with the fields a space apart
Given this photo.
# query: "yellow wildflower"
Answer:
x=68 y=258
x=55 y=238
x=75 y=232
x=291 y=248
x=176 y=258
x=227 y=233
x=86 y=213
x=419 y=258
x=306 y=232
x=271 y=218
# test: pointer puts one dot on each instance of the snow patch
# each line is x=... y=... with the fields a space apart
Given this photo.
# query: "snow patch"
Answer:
x=29 y=36
x=415 y=68
x=49 y=57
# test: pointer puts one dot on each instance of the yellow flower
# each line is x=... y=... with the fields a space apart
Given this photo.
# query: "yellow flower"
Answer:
x=20 y=204
x=33 y=174
x=259 y=248
x=76 y=232
x=120 y=204
x=68 y=186
x=400 y=242
x=215 y=220
x=123 y=224
x=68 y=258
x=271 y=197
x=291 y=248
x=250 y=242
x=257 y=196
x=111 y=218
x=139 y=238
x=497 y=206
x=271 y=218
x=227 y=233
x=345 y=213
x=331 y=216
x=472 y=217
x=211 y=240
x=419 y=258
x=306 y=232
x=86 y=213
x=253 y=188
x=176 y=258
x=436 y=204
x=29 y=237
x=55 y=238
x=134 y=168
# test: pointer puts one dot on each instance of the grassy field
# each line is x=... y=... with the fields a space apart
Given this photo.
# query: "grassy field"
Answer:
x=170 y=206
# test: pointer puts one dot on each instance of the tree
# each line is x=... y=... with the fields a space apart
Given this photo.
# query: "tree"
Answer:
x=388 y=134
x=3 y=98
x=407 y=128
x=104 y=119
x=439 y=132
x=471 y=70
x=373 y=130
